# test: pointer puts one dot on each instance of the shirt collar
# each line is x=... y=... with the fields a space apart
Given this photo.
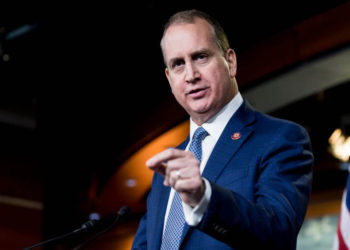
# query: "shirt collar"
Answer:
x=215 y=125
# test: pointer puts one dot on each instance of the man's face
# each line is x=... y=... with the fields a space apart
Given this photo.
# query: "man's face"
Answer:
x=200 y=77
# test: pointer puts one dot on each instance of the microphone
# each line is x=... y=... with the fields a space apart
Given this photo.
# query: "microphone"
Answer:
x=123 y=211
x=85 y=228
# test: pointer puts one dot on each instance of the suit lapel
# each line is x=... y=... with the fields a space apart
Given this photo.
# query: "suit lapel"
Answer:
x=236 y=132
x=159 y=213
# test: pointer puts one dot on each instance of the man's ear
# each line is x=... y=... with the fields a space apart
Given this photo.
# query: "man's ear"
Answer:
x=167 y=74
x=232 y=62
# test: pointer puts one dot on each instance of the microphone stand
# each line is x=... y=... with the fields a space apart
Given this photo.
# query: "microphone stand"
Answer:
x=86 y=227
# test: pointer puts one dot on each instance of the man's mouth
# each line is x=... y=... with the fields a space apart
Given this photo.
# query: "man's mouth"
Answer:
x=197 y=93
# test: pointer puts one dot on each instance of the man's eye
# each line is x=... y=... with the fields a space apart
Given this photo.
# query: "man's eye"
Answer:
x=177 y=63
x=201 y=56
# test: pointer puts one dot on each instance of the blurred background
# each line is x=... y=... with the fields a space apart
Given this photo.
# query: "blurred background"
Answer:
x=84 y=102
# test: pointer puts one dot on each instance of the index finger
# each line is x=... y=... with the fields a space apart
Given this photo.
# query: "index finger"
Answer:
x=164 y=156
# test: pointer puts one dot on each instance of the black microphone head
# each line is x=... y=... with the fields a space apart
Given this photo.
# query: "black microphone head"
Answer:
x=89 y=225
x=124 y=211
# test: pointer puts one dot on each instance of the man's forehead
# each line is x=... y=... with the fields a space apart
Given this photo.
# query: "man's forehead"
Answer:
x=191 y=36
x=183 y=26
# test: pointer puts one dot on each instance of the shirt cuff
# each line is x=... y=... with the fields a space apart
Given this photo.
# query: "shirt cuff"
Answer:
x=193 y=215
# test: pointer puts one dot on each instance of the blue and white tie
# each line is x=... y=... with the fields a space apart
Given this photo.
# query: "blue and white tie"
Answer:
x=176 y=219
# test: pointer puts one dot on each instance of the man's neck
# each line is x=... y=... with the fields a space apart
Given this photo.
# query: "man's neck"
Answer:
x=201 y=118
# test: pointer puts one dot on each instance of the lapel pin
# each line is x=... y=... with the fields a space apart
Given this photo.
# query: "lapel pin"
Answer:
x=236 y=136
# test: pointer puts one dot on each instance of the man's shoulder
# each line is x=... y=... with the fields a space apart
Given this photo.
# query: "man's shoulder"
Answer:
x=275 y=124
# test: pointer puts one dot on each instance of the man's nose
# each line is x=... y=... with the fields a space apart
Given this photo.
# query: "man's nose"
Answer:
x=192 y=74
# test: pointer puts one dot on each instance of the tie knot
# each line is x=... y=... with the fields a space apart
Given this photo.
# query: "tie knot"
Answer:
x=200 y=134
x=196 y=144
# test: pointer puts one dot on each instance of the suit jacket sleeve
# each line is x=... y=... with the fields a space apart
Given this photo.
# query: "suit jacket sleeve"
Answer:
x=273 y=216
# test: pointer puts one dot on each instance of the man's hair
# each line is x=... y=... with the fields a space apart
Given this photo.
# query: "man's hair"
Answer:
x=189 y=16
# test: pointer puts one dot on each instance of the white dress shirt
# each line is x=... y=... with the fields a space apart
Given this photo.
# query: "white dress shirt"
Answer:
x=214 y=127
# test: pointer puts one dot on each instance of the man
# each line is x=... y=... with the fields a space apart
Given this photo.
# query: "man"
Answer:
x=245 y=181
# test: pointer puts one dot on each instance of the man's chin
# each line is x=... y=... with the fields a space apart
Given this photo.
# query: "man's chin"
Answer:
x=200 y=115
x=200 y=110
x=199 y=107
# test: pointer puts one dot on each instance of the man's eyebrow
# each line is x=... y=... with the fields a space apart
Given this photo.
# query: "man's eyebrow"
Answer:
x=201 y=51
x=172 y=60
x=193 y=54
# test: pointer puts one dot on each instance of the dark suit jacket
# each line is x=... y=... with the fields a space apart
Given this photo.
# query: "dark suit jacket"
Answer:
x=261 y=184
